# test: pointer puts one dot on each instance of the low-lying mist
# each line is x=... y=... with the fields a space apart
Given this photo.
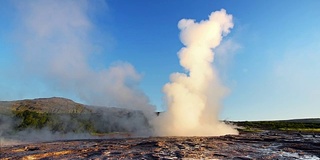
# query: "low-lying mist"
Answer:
x=23 y=125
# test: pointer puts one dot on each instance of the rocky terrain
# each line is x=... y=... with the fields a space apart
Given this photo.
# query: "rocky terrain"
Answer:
x=246 y=146
x=58 y=128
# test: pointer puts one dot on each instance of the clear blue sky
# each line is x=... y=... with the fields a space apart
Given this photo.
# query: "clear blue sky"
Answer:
x=271 y=67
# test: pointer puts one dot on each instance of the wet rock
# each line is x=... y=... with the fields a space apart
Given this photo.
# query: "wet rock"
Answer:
x=115 y=153
x=31 y=148
x=180 y=146
x=169 y=158
x=178 y=154
x=270 y=139
x=241 y=158
x=245 y=146
x=220 y=155
x=148 y=144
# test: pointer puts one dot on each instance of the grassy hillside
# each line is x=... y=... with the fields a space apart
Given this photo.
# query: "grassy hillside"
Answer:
x=63 y=115
x=307 y=120
x=307 y=125
x=50 y=105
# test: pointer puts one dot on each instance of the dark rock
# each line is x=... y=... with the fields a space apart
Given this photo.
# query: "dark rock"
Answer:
x=242 y=158
x=31 y=148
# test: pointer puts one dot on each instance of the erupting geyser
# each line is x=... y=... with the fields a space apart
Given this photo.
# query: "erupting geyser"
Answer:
x=194 y=98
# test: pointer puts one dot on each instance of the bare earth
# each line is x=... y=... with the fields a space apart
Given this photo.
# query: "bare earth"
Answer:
x=265 y=145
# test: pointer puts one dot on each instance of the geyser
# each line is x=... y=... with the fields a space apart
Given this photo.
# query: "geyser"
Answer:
x=193 y=98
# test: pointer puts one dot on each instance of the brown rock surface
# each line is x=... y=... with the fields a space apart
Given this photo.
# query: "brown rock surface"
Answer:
x=242 y=147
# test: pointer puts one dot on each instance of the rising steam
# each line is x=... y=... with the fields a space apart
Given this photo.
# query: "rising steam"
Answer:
x=194 y=98
x=57 y=41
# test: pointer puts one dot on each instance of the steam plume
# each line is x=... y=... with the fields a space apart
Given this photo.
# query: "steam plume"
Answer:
x=57 y=45
x=56 y=41
x=193 y=98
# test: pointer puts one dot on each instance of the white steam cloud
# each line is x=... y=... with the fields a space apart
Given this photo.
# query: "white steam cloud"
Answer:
x=194 y=98
x=56 y=39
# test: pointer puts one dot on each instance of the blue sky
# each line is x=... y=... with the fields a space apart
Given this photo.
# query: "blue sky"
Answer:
x=270 y=63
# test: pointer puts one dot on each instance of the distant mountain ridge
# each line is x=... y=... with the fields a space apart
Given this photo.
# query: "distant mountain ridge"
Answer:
x=45 y=105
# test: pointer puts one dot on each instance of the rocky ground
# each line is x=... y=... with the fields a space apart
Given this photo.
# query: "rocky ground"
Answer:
x=263 y=145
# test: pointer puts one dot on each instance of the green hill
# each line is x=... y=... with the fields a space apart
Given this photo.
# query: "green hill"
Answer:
x=64 y=115
x=45 y=105
x=305 y=120
x=306 y=125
